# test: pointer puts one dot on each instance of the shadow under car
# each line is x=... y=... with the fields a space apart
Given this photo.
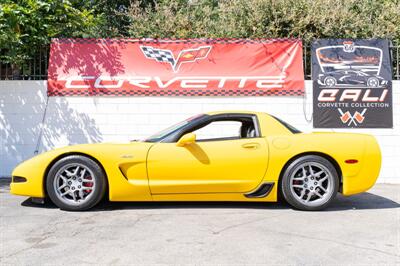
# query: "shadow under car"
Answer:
x=363 y=201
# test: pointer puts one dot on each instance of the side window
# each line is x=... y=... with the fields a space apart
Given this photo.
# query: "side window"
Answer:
x=219 y=130
x=227 y=129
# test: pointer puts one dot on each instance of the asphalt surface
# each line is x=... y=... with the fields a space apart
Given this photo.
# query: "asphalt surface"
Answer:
x=359 y=230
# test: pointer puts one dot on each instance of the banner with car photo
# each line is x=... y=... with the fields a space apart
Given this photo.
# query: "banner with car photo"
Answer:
x=352 y=84
x=164 y=67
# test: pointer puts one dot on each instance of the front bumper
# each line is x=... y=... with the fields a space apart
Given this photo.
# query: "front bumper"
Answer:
x=33 y=173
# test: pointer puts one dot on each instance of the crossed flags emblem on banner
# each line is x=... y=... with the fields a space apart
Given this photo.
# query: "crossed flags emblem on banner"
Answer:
x=356 y=117
x=185 y=56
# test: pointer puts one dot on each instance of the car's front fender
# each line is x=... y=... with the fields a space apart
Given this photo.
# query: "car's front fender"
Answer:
x=32 y=171
x=116 y=160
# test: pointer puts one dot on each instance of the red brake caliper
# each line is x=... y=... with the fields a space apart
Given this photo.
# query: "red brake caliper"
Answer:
x=296 y=182
x=88 y=184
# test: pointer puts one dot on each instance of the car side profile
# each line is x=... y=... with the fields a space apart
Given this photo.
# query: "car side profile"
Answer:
x=218 y=156
x=350 y=78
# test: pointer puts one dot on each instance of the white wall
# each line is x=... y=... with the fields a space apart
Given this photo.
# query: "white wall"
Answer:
x=72 y=120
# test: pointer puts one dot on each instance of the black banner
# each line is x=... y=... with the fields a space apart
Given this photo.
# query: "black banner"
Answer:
x=352 y=84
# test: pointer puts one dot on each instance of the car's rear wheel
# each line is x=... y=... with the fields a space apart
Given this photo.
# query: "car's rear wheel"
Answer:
x=76 y=183
x=310 y=183
x=373 y=82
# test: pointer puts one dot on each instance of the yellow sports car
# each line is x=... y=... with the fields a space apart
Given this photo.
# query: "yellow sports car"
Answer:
x=218 y=156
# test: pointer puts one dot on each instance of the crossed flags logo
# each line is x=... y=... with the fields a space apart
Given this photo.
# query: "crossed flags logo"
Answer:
x=185 y=56
x=357 y=117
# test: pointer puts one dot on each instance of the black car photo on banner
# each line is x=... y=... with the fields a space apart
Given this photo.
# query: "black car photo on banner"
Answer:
x=352 y=84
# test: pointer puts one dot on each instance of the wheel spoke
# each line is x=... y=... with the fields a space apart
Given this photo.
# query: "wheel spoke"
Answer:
x=76 y=170
x=322 y=188
x=319 y=173
x=81 y=194
x=318 y=194
x=323 y=179
x=87 y=188
x=303 y=176
x=73 y=195
x=62 y=186
x=311 y=170
x=69 y=173
x=63 y=178
x=298 y=186
x=83 y=173
x=65 y=192
x=302 y=193
x=304 y=172
x=309 y=196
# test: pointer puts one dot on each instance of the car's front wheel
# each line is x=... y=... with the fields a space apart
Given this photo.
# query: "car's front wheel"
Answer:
x=330 y=81
x=76 y=183
x=310 y=183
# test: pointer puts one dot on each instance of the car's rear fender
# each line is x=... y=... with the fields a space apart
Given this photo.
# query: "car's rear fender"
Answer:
x=339 y=147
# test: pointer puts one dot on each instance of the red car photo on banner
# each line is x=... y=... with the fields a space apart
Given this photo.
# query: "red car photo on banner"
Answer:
x=190 y=67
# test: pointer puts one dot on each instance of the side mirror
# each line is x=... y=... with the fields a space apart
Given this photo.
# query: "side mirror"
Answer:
x=186 y=139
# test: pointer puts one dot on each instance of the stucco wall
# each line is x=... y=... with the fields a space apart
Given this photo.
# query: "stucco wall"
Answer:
x=72 y=120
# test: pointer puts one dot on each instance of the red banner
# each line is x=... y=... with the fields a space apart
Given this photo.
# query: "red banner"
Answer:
x=192 y=67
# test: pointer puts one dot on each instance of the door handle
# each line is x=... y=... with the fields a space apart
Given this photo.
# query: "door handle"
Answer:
x=251 y=145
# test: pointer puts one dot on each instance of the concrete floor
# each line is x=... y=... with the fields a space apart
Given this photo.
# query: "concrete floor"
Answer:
x=363 y=229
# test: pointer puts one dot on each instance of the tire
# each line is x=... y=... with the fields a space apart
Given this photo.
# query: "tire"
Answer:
x=330 y=81
x=372 y=82
x=76 y=183
x=307 y=175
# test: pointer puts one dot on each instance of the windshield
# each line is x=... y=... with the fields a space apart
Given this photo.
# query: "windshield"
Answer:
x=164 y=133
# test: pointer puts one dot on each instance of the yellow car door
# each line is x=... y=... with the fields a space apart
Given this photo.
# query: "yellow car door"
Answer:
x=236 y=165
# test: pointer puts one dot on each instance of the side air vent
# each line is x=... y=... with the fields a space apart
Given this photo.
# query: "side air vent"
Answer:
x=123 y=173
x=262 y=191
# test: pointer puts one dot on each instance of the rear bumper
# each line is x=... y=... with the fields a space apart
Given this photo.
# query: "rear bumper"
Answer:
x=369 y=170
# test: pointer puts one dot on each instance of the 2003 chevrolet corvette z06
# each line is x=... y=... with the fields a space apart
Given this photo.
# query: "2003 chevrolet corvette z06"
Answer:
x=219 y=156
